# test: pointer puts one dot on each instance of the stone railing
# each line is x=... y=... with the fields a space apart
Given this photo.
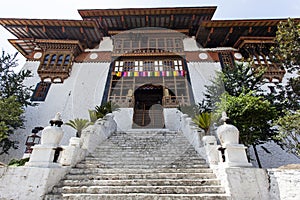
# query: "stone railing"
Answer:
x=50 y=162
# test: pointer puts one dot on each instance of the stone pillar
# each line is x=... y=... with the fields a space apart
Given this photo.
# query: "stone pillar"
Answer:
x=234 y=153
x=43 y=154
x=210 y=145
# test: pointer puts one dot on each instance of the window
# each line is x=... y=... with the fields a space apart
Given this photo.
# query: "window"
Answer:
x=41 y=91
x=148 y=44
x=130 y=73
x=55 y=66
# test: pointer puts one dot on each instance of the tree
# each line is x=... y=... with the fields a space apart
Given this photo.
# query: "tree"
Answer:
x=242 y=78
x=12 y=82
x=10 y=119
x=285 y=52
x=287 y=45
x=14 y=96
x=252 y=115
x=289 y=131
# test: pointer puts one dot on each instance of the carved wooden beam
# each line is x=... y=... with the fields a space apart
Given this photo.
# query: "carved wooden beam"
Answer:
x=147 y=20
x=27 y=29
x=123 y=22
x=227 y=36
x=192 y=21
x=171 y=21
x=250 y=29
x=208 y=36
x=269 y=29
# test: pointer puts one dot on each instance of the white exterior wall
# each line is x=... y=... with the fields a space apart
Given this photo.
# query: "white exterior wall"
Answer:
x=201 y=74
x=83 y=90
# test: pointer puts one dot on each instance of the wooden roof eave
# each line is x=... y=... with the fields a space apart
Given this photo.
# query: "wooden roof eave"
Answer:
x=253 y=40
x=45 y=22
x=21 y=45
x=147 y=11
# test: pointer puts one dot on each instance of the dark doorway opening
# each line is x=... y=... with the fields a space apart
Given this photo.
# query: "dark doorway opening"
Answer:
x=148 y=110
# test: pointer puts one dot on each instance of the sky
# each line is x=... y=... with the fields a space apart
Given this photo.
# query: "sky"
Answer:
x=67 y=9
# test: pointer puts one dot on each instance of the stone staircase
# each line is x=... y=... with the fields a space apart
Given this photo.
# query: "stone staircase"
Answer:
x=141 y=165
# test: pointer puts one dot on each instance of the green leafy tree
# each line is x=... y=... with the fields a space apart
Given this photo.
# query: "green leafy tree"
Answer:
x=14 y=96
x=240 y=79
x=10 y=119
x=285 y=52
x=252 y=115
x=287 y=45
x=12 y=82
x=289 y=131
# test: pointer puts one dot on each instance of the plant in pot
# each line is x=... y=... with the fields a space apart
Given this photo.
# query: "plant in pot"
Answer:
x=203 y=120
x=78 y=124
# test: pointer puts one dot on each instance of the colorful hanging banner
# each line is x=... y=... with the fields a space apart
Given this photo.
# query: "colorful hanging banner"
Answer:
x=150 y=74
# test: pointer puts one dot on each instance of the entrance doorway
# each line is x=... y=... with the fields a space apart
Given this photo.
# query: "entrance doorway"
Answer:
x=148 y=110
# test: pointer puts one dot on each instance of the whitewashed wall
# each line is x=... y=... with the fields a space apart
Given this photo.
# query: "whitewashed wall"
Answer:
x=201 y=74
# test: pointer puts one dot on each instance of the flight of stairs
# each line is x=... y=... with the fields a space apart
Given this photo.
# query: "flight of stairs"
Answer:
x=141 y=165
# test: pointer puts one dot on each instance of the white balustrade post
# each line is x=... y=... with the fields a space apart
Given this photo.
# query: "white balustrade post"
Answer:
x=43 y=154
x=234 y=153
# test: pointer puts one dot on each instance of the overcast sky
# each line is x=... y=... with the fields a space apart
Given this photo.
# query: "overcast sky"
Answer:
x=67 y=9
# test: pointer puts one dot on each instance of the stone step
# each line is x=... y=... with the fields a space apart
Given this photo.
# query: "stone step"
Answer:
x=160 y=175
x=141 y=171
x=146 y=196
x=141 y=182
x=149 y=159
x=128 y=152
x=150 y=166
x=53 y=197
x=144 y=189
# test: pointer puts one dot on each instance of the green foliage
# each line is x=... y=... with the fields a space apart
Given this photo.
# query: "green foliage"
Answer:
x=11 y=82
x=250 y=114
x=17 y=163
x=10 y=119
x=14 y=95
x=104 y=109
x=286 y=53
x=240 y=79
x=93 y=116
x=203 y=120
x=287 y=45
x=78 y=125
x=289 y=131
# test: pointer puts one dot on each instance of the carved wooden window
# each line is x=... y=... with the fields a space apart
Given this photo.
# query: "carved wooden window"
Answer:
x=226 y=59
x=40 y=91
x=151 y=44
x=55 y=66
x=130 y=73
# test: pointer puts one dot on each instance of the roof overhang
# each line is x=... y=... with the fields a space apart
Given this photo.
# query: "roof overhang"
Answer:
x=225 y=33
x=116 y=20
x=86 y=32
